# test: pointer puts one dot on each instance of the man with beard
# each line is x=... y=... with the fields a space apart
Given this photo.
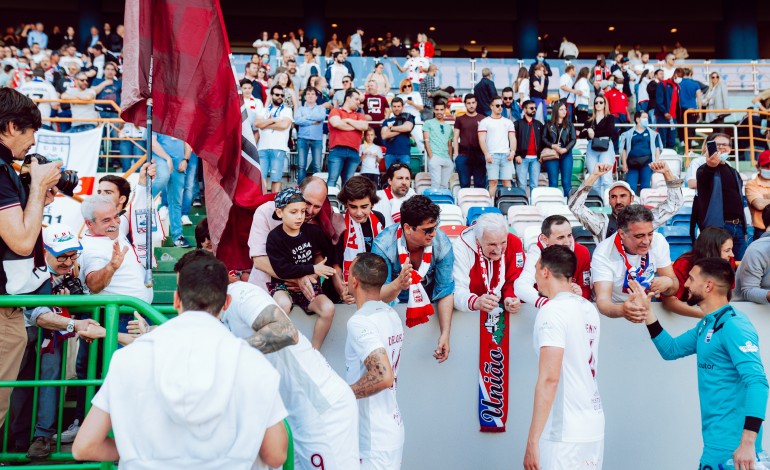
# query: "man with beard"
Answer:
x=621 y=196
x=732 y=385
x=399 y=189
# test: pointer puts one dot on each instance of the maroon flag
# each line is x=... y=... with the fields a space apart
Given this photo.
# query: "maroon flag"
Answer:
x=194 y=94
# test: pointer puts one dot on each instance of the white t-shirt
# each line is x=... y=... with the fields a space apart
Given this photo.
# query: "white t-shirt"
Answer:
x=497 y=134
x=82 y=111
x=206 y=398
x=372 y=155
x=66 y=60
x=523 y=91
x=375 y=325
x=571 y=323
x=127 y=280
x=567 y=80
x=40 y=90
x=288 y=48
x=338 y=72
x=270 y=138
x=583 y=86
x=607 y=264
x=413 y=65
x=408 y=108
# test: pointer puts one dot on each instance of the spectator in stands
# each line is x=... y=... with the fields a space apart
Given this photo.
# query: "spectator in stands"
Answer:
x=356 y=43
x=762 y=100
x=511 y=108
x=635 y=54
x=420 y=262
x=558 y=141
x=642 y=95
x=758 y=194
x=40 y=88
x=639 y=146
x=108 y=88
x=202 y=237
x=427 y=90
x=712 y=242
x=497 y=139
x=375 y=107
x=38 y=36
x=416 y=66
x=529 y=144
x=599 y=131
x=488 y=260
x=690 y=95
x=333 y=45
x=437 y=134
x=308 y=68
x=622 y=70
x=424 y=46
x=371 y=156
x=132 y=144
x=413 y=105
x=380 y=79
x=396 y=49
x=290 y=98
x=395 y=133
x=201 y=295
x=339 y=96
x=252 y=74
x=617 y=50
x=601 y=72
x=719 y=202
x=521 y=85
x=583 y=98
x=680 y=53
x=399 y=179
x=81 y=91
x=669 y=67
x=644 y=257
x=652 y=92
x=484 y=91
x=274 y=128
x=621 y=196
x=617 y=102
x=309 y=120
x=568 y=50
x=566 y=91
x=697 y=161
x=753 y=276
x=555 y=230
x=336 y=72
x=469 y=158
x=538 y=91
x=345 y=129
x=716 y=96
x=295 y=250
x=105 y=268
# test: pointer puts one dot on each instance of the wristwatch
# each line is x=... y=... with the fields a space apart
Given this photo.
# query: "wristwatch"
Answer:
x=71 y=326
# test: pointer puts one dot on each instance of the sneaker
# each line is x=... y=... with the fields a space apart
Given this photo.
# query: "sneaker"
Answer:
x=41 y=448
x=181 y=243
x=186 y=220
x=163 y=213
x=68 y=436
x=197 y=202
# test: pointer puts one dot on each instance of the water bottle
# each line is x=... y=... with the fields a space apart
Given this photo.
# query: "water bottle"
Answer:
x=762 y=462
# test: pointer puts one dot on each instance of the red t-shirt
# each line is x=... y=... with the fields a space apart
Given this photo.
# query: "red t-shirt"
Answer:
x=338 y=138
x=617 y=101
x=532 y=145
x=375 y=106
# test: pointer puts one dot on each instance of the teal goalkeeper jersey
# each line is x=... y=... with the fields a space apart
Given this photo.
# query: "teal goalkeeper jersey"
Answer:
x=731 y=378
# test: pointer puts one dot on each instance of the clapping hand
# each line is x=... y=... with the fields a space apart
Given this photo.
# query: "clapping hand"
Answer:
x=404 y=279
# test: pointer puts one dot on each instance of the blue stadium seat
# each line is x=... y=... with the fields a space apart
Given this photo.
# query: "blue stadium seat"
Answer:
x=476 y=211
x=681 y=218
x=678 y=238
x=439 y=196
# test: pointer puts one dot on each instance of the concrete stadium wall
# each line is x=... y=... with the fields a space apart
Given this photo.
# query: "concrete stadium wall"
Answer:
x=651 y=406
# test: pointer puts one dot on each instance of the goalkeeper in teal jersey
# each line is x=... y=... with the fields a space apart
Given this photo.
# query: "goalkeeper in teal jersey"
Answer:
x=732 y=385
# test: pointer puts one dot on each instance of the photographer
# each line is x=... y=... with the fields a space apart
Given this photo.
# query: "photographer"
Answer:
x=62 y=249
x=21 y=217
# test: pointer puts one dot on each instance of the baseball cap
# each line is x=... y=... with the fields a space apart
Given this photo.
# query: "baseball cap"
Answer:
x=58 y=239
x=623 y=184
x=764 y=158
x=286 y=197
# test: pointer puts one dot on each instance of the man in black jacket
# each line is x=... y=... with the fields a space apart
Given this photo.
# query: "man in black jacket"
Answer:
x=529 y=135
x=484 y=91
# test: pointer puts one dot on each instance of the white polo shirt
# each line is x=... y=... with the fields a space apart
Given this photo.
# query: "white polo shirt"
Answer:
x=129 y=277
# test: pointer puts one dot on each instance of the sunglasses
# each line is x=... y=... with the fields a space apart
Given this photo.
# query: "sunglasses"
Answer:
x=498 y=106
x=428 y=231
x=507 y=99
x=598 y=102
x=237 y=274
x=407 y=86
x=64 y=258
x=346 y=81
x=531 y=108
x=278 y=96
x=715 y=76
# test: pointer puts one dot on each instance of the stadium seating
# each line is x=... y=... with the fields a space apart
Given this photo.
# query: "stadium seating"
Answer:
x=584 y=237
x=451 y=215
x=421 y=182
x=673 y=161
x=678 y=238
x=563 y=210
x=439 y=196
x=471 y=197
x=594 y=199
x=507 y=197
x=333 y=193
x=475 y=212
x=520 y=217
x=681 y=218
x=530 y=236
x=453 y=231
x=652 y=197
x=542 y=197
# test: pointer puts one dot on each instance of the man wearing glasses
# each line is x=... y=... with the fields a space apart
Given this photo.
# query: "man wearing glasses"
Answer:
x=420 y=261
x=274 y=127
x=81 y=91
x=497 y=137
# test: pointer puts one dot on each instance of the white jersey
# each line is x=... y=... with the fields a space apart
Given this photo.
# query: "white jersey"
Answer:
x=322 y=408
x=375 y=325
x=570 y=322
x=38 y=89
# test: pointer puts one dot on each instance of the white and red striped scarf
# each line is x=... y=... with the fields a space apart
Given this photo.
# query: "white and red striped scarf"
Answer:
x=418 y=307
x=395 y=205
x=354 y=240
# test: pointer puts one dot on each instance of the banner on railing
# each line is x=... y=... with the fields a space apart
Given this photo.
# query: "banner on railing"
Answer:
x=80 y=152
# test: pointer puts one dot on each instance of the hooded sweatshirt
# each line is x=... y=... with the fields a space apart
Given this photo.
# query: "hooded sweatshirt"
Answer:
x=190 y=395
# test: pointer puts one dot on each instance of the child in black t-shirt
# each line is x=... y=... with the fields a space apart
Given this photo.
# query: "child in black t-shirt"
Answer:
x=296 y=249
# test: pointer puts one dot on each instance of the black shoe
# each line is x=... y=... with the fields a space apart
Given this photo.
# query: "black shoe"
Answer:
x=197 y=202
x=41 y=448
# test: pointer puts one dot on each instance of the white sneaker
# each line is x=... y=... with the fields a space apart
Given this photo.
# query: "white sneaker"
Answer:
x=163 y=213
x=68 y=436
x=186 y=220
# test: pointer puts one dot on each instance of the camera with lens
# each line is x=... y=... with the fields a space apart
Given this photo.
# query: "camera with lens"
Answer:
x=68 y=180
x=72 y=284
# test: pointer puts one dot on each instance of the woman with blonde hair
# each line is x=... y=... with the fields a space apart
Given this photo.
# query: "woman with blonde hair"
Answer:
x=599 y=130
x=716 y=96
x=413 y=105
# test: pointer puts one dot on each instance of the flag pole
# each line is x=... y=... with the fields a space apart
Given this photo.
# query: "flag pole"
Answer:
x=149 y=251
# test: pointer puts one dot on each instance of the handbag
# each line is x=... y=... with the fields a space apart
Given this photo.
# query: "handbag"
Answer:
x=548 y=154
x=600 y=144
x=638 y=161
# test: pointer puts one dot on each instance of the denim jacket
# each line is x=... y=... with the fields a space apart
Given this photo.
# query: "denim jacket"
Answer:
x=438 y=281
x=306 y=119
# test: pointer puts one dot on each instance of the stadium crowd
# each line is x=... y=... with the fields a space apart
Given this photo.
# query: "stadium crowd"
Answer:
x=380 y=238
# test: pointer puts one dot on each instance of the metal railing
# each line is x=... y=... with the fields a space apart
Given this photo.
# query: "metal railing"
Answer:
x=754 y=135
x=112 y=306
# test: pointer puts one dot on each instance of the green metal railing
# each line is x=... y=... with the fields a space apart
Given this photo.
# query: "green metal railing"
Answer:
x=112 y=307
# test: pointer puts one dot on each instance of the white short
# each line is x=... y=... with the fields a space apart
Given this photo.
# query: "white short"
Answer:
x=381 y=460
x=571 y=455
x=330 y=440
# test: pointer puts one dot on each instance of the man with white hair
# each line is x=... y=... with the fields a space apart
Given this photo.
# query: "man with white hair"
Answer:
x=488 y=259
x=106 y=266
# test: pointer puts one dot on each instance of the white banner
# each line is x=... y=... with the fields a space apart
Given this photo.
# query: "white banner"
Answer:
x=80 y=152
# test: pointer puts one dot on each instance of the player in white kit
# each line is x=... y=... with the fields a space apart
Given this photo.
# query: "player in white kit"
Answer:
x=322 y=409
x=567 y=429
x=372 y=354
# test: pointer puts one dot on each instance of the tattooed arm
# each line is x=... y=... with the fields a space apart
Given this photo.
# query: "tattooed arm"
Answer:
x=273 y=331
x=378 y=377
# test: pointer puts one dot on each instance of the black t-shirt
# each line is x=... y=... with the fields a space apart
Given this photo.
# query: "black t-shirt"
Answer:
x=292 y=257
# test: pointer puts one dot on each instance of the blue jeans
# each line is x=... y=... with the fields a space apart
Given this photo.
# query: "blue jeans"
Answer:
x=162 y=176
x=272 y=161
x=642 y=106
x=128 y=147
x=190 y=181
x=391 y=159
x=667 y=134
x=639 y=176
x=315 y=148
x=529 y=168
x=561 y=165
x=342 y=161
x=172 y=195
x=739 y=239
x=471 y=165
x=81 y=128
x=540 y=103
x=593 y=158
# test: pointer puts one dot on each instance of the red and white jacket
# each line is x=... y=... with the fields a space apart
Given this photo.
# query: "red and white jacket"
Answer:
x=469 y=284
x=525 y=285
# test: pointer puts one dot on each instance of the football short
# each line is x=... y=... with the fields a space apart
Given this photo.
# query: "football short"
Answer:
x=381 y=460
x=296 y=296
x=571 y=455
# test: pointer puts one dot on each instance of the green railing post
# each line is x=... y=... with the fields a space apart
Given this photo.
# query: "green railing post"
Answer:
x=111 y=312
x=289 y=464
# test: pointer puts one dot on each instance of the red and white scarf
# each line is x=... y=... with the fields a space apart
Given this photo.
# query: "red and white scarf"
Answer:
x=395 y=205
x=354 y=240
x=418 y=307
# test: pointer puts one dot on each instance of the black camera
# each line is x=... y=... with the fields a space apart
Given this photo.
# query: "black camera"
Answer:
x=72 y=284
x=68 y=180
